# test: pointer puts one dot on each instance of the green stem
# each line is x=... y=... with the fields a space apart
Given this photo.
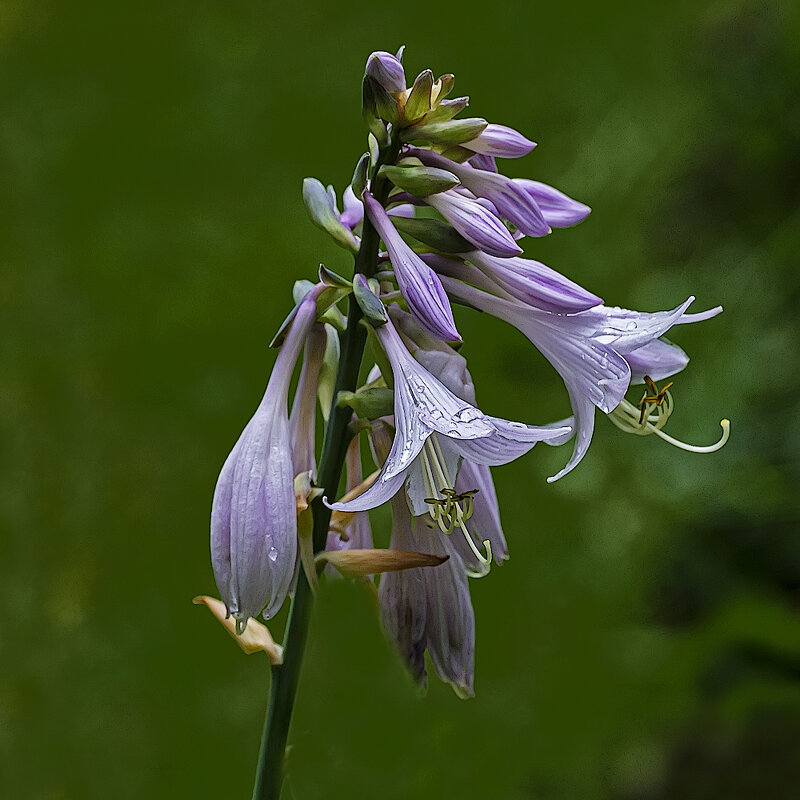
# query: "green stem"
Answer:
x=285 y=677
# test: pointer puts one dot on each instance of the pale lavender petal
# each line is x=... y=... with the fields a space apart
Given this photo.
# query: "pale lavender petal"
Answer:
x=583 y=410
x=700 y=316
x=500 y=141
x=253 y=516
x=418 y=283
x=423 y=404
x=449 y=618
x=438 y=357
x=657 y=359
x=480 y=161
x=509 y=441
x=558 y=209
x=387 y=70
x=403 y=597
x=475 y=223
x=485 y=520
x=535 y=283
x=353 y=213
x=417 y=487
x=383 y=490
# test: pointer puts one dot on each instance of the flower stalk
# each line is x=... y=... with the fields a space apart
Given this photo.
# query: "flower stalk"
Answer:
x=285 y=676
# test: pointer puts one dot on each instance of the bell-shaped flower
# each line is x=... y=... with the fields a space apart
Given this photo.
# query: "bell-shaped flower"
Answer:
x=432 y=422
x=418 y=283
x=559 y=210
x=500 y=141
x=510 y=199
x=587 y=349
x=429 y=608
x=253 y=515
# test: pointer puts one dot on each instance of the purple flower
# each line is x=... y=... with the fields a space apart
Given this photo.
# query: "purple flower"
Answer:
x=429 y=608
x=558 y=209
x=501 y=142
x=435 y=429
x=387 y=70
x=475 y=223
x=418 y=283
x=587 y=349
x=511 y=200
x=535 y=283
x=253 y=514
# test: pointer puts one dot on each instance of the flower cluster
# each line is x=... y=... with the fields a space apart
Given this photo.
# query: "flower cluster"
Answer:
x=451 y=227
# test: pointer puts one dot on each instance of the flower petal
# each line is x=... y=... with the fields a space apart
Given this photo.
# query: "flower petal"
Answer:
x=475 y=223
x=419 y=284
x=535 y=283
x=559 y=210
x=500 y=141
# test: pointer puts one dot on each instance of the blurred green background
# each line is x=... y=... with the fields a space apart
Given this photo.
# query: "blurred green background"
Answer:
x=642 y=643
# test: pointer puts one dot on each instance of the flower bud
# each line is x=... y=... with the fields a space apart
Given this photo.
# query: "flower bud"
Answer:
x=386 y=69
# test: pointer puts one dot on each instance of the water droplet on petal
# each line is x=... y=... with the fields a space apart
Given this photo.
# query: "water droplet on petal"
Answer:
x=273 y=554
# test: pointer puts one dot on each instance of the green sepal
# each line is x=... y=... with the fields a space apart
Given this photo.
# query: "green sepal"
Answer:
x=444 y=84
x=369 y=303
x=368 y=403
x=418 y=103
x=369 y=112
x=420 y=181
x=458 y=154
x=384 y=105
x=333 y=279
x=451 y=132
x=360 y=173
x=434 y=233
x=447 y=109
x=322 y=210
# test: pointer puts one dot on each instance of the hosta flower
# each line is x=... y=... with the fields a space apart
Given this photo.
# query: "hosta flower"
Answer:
x=501 y=142
x=253 y=515
x=418 y=283
x=427 y=608
x=434 y=429
x=587 y=349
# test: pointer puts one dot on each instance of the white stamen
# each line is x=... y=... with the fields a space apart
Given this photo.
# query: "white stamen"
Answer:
x=447 y=512
x=626 y=417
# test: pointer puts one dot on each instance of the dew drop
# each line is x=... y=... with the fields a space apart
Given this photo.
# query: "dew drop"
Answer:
x=273 y=554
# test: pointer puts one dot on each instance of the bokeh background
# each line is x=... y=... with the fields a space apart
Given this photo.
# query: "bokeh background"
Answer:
x=642 y=643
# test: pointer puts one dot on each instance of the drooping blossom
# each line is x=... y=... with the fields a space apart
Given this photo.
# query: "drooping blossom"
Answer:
x=253 y=514
x=432 y=421
x=587 y=349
